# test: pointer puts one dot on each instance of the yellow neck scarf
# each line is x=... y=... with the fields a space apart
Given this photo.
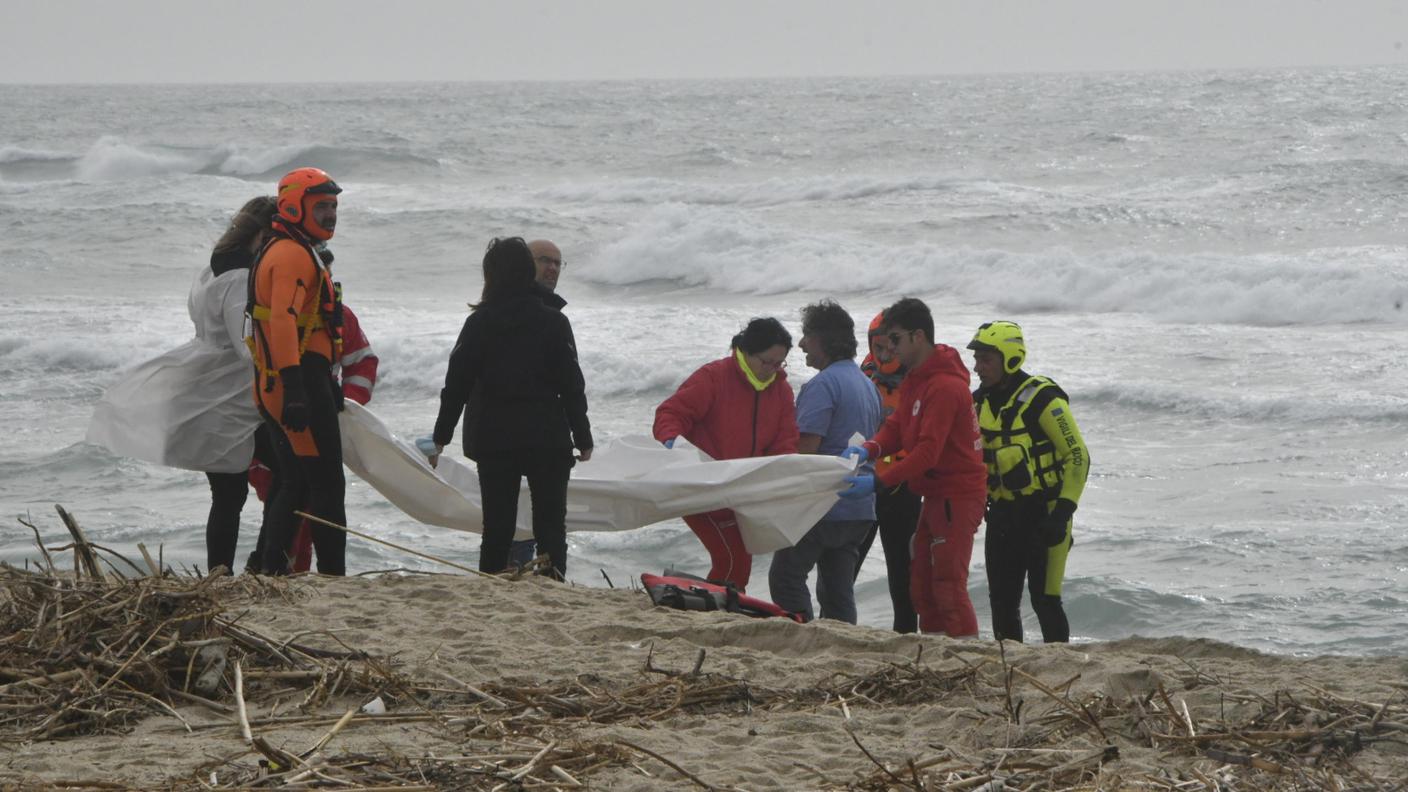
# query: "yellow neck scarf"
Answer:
x=758 y=385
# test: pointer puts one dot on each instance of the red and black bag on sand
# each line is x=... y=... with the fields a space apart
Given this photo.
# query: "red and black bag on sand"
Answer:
x=688 y=593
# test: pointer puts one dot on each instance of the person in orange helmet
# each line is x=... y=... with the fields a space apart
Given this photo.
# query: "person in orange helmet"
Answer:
x=296 y=318
x=897 y=507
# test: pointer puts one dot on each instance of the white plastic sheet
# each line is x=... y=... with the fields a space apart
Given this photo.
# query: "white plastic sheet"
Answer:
x=191 y=407
x=631 y=483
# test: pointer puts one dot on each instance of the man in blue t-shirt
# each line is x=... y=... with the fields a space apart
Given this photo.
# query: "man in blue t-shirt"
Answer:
x=834 y=406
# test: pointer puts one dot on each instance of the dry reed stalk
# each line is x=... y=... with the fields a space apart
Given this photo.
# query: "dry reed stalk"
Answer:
x=403 y=549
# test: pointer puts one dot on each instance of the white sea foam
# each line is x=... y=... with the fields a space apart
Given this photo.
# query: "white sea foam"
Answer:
x=1349 y=407
x=238 y=161
x=737 y=252
x=21 y=154
x=111 y=159
x=769 y=192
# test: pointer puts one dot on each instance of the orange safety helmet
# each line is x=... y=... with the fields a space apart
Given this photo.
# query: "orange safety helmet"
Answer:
x=875 y=325
x=298 y=190
x=889 y=367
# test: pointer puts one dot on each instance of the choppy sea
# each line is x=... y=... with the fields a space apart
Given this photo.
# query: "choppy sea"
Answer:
x=1211 y=264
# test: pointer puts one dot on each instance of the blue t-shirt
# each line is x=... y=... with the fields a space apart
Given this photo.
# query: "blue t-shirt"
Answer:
x=836 y=404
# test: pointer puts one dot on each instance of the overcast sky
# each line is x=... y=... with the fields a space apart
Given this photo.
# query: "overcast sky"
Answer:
x=60 y=41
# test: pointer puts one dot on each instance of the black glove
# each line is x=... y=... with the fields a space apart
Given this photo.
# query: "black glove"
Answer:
x=1053 y=528
x=295 y=413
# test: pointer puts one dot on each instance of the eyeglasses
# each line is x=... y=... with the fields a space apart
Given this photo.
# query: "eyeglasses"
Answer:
x=778 y=364
x=549 y=261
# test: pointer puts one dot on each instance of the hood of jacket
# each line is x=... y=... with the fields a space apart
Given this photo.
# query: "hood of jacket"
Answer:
x=229 y=260
x=945 y=362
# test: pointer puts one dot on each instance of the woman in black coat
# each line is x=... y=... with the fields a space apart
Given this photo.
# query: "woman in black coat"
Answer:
x=532 y=406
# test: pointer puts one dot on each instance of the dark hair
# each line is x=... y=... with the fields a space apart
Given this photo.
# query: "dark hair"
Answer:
x=508 y=269
x=253 y=219
x=910 y=314
x=761 y=334
x=829 y=323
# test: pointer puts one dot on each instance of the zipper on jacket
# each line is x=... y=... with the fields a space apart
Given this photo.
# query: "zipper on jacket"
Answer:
x=757 y=396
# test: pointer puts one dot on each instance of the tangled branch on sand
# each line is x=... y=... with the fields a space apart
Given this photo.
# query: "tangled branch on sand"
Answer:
x=95 y=651
x=1286 y=742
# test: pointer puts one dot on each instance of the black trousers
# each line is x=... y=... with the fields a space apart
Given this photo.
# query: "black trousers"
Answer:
x=500 y=478
x=1015 y=553
x=314 y=483
x=896 y=513
x=228 y=492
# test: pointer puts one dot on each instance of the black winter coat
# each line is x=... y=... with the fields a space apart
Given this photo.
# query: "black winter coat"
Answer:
x=517 y=357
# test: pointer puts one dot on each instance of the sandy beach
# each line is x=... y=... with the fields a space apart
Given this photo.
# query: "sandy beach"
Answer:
x=480 y=676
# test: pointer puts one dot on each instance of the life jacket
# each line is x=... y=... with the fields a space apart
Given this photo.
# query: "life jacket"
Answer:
x=326 y=313
x=682 y=593
x=1020 y=459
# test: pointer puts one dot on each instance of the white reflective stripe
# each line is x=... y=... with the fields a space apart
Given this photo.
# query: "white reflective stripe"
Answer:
x=361 y=382
x=357 y=355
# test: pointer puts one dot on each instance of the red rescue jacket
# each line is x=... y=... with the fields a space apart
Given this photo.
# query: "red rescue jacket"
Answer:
x=720 y=412
x=937 y=428
x=358 y=363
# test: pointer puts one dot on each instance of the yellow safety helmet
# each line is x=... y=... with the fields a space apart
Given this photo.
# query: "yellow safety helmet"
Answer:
x=1004 y=338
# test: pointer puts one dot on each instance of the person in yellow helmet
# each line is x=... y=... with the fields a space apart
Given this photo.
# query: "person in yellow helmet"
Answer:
x=295 y=320
x=1037 y=464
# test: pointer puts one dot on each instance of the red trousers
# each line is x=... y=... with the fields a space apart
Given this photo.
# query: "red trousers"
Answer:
x=938 y=569
x=729 y=559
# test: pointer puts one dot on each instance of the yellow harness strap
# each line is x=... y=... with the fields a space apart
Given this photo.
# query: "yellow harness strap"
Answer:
x=306 y=322
x=309 y=321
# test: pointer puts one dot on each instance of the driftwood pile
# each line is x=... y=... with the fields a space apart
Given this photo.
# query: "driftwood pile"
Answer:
x=96 y=650
x=1060 y=741
x=93 y=651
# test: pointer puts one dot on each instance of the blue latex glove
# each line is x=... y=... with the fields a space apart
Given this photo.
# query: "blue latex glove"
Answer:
x=669 y=443
x=862 y=486
x=856 y=451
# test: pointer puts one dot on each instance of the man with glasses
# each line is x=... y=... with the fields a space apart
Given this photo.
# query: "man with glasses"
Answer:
x=897 y=508
x=835 y=405
x=548 y=261
x=937 y=428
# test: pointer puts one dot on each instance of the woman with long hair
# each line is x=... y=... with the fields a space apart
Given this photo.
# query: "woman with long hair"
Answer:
x=736 y=407
x=532 y=405
x=190 y=407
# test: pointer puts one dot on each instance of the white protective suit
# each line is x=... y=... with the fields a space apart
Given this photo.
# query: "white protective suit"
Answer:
x=191 y=407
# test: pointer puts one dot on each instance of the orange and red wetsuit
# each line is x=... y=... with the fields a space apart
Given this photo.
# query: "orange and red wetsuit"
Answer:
x=296 y=315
